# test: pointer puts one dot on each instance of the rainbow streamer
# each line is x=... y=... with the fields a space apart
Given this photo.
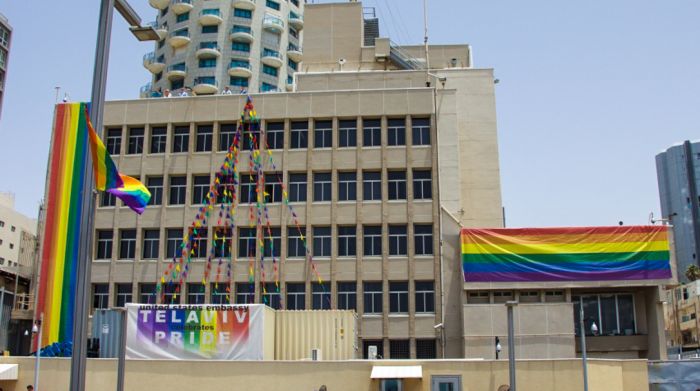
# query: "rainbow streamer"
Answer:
x=565 y=254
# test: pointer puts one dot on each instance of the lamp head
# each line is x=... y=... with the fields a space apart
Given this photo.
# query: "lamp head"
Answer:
x=594 y=328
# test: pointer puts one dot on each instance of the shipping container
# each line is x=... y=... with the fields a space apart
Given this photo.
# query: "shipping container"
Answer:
x=106 y=328
x=321 y=335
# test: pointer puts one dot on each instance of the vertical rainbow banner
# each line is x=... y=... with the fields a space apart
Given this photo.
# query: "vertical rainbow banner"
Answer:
x=565 y=254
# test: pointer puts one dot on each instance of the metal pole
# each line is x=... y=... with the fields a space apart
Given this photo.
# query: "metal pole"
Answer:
x=511 y=344
x=82 y=286
x=583 y=347
x=38 y=353
x=122 y=352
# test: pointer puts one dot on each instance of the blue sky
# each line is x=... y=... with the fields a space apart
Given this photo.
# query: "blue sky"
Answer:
x=589 y=92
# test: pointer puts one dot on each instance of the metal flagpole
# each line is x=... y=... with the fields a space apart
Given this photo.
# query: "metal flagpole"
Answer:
x=583 y=348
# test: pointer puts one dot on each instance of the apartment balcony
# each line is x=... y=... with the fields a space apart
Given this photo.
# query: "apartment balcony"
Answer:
x=161 y=29
x=294 y=53
x=272 y=58
x=210 y=17
x=208 y=50
x=24 y=307
x=205 y=85
x=296 y=20
x=152 y=63
x=176 y=71
x=273 y=24
x=242 y=34
x=159 y=4
x=179 y=38
x=181 y=6
x=290 y=86
x=240 y=69
x=688 y=325
x=244 y=4
x=145 y=90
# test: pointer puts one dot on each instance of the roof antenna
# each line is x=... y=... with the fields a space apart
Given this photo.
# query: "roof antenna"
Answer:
x=425 y=41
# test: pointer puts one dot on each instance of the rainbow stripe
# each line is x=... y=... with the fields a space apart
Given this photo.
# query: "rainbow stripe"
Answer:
x=106 y=173
x=565 y=254
x=133 y=193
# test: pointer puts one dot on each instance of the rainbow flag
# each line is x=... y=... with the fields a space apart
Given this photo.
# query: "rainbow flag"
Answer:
x=565 y=254
x=133 y=193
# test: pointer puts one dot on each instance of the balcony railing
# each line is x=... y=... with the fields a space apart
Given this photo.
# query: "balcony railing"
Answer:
x=271 y=53
x=206 y=80
x=273 y=22
x=240 y=64
x=294 y=15
x=213 y=11
x=181 y=33
x=177 y=67
x=209 y=45
x=242 y=29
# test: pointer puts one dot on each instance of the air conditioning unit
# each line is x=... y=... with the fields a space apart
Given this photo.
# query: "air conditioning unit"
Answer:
x=316 y=355
x=372 y=352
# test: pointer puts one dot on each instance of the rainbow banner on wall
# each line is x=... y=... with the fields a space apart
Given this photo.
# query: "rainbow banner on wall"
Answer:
x=565 y=254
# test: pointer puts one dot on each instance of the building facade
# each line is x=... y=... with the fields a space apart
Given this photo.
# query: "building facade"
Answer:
x=5 y=39
x=678 y=172
x=681 y=313
x=247 y=45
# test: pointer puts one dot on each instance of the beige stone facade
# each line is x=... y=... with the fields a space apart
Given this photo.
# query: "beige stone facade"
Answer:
x=681 y=310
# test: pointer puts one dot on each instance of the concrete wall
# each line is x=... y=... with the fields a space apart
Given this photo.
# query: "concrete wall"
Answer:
x=532 y=375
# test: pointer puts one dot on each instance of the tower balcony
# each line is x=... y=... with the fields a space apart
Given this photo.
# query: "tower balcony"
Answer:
x=210 y=17
x=271 y=58
x=240 y=69
x=244 y=4
x=182 y=6
x=294 y=53
x=273 y=24
x=159 y=4
x=152 y=63
x=176 y=71
x=161 y=30
x=296 y=20
x=205 y=85
x=242 y=34
x=179 y=38
x=208 y=50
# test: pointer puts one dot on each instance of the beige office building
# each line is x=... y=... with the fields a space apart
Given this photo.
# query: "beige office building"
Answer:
x=682 y=307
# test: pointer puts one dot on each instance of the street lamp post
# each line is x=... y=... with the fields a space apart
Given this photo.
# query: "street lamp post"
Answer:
x=584 y=357
x=36 y=329
x=511 y=344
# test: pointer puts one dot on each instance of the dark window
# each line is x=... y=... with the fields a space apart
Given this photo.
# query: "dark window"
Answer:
x=422 y=185
x=300 y=135
x=172 y=242
x=397 y=185
x=107 y=199
x=114 y=141
x=181 y=139
x=195 y=293
x=147 y=293
x=198 y=242
x=220 y=293
x=100 y=296
x=425 y=349
x=421 y=131
x=297 y=187
x=295 y=296
x=135 y=141
x=423 y=238
x=347 y=241
x=372 y=186
x=268 y=70
x=158 y=139
x=372 y=133
x=272 y=242
x=373 y=342
x=372 y=297
x=227 y=133
x=322 y=186
x=222 y=242
x=347 y=186
x=425 y=296
x=321 y=296
x=245 y=293
x=273 y=4
x=613 y=314
x=151 y=237
x=347 y=296
x=204 y=138
x=127 y=244
x=292 y=64
x=104 y=245
x=246 y=242
x=372 y=240
x=295 y=242
x=200 y=188
x=171 y=294
x=271 y=296
x=210 y=29
x=124 y=295
x=323 y=134
x=398 y=241
x=241 y=13
x=398 y=296
x=267 y=87
x=182 y=17
x=275 y=135
x=396 y=132
x=273 y=187
x=155 y=186
x=238 y=81
x=248 y=185
x=207 y=62
x=178 y=187
x=322 y=241
x=347 y=133
x=177 y=83
x=399 y=349
x=251 y=138
x=240 y=47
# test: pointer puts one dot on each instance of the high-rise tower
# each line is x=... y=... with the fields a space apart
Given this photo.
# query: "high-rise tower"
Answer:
x=5 y=34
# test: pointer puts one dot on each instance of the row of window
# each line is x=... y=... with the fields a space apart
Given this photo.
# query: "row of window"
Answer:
x=400 y=349
x=323 y=136
x=346 y=242
x=346 y=299
x=12 y=227
x=297 y=187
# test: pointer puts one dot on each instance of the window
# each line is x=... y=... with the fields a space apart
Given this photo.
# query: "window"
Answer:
x=114 y=141
x=421 y=131
x=372 y=297
x=425 y=349
x=372 y=133
x=347 y=186
x=182 y=17
x=478 y=297
x=198 y=242
x=177 y=83
x=2 y=224
x=222 y=242
x=529 y=296
x=267 y=87
x=12 y=246
x=300 y=134
x=220 y=293
x=347 y=241
x=275 y=135
x=210 y=29
x=248 y=185
x=171 y=294
x=374 y=342
x=273 y=4
x=425 y=296
x=613 y=314
x=204 y=138
x=147 y=293
x=100 y=296
x=398 y=349
x=295 y=242
x=178 y=186
x=195 y=293
x=240 y=47
x=295 y=296
x=158 y=139
x=104 y=245
x=127 y=244
x=398 y=243
x=554 y=296
x=268 y=70
x=245 y=293
x=272 y=242
x=422 y=185
x=397 y=185
x=107 y=199
x=227 y=133
x=241 y=13
x=423 y=237
x=123 y=295
x=200 y=188
x=155 y=186
x=238 y=81
x=502 y=296
x=251 y=138
x=322 y=241
x=398 y=297
x=207 y=62
x=320 y=296
x=181 y=139
x=372 y=186
x=135 y=141
x=347 y=296
x=347 y=133
x=372 y=240
x=271 y=295
x=297 y=187
x=322 y=186
x=292 y=64
x=323 y=134
x=396 y=132
x=246 y=242
x=173 y=239
x=151 y=237
x=293 y=33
